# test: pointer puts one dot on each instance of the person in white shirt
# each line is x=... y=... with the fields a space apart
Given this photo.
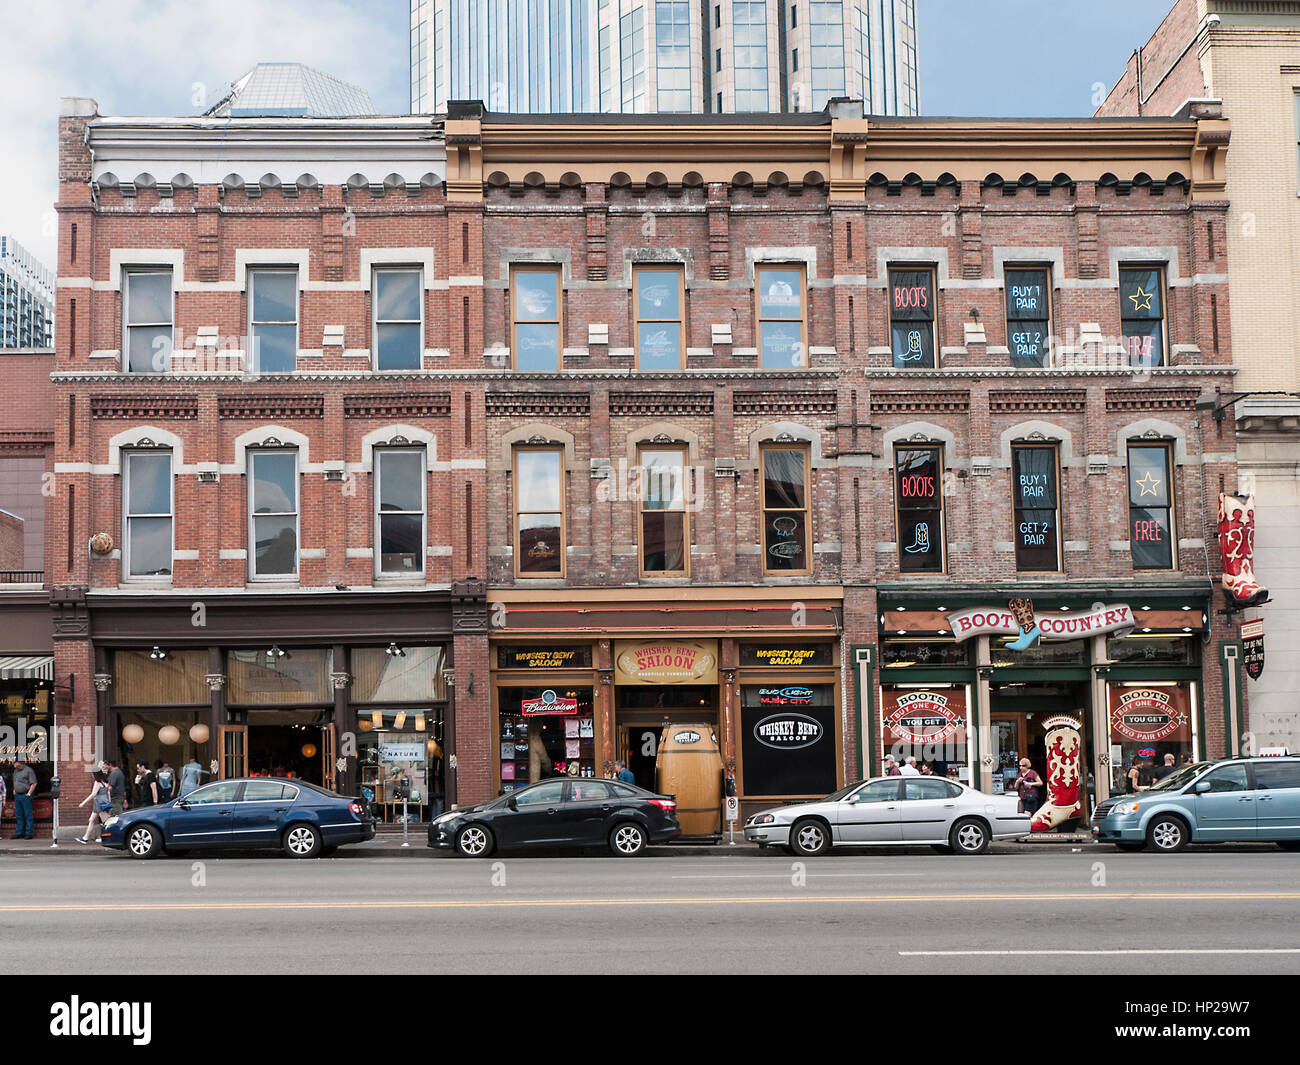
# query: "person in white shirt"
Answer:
x=908 y=768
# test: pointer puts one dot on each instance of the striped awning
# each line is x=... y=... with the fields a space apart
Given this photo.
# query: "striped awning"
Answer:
x=26 y=667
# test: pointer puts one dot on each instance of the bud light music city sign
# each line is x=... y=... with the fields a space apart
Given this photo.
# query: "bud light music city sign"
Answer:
x=994 y=621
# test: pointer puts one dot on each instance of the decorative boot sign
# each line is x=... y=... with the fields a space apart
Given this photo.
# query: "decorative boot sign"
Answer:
x=1064 y=776
x=1237 y=551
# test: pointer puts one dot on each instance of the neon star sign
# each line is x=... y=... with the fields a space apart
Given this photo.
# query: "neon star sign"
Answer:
x=1149 y=485
x=1142 y=300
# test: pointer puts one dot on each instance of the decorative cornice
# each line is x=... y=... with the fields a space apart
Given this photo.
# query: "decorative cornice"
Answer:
x=1029 y=402
x=538 y=404
x=144 y=408
x=392 y=405
x=782 y=403
x=270 y=407
x=1130 y=399
x=919 y=402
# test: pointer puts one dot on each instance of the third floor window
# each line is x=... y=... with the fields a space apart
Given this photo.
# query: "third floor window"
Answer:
x=1029 y=317
x=911 y=318
x=273 y=320
x=147 y=314
x=782 y=325
x=399 y=320
x=659 y=298
x=535 y=314
x=1142 y=314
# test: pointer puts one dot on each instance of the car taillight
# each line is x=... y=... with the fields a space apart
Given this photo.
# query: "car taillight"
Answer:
x=357 y=809
x=664 y=804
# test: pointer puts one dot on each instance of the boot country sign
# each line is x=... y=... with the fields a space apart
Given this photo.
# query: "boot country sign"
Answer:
x=1020 y=619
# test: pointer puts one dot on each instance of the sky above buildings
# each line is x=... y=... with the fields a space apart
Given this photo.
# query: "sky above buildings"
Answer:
x=176 y=57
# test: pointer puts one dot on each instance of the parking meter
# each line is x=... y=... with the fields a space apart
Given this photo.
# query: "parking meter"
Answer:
x=55 y=782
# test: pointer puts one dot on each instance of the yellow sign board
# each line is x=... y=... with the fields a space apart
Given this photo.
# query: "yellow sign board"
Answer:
x=666 y=662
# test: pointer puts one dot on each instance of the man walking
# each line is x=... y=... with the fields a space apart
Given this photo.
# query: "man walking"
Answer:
x=191 y=774
x=116 y=786
x=909 y=767
x=621 y=772
x=24 y=789
x=1163 y=771
x=146 y=785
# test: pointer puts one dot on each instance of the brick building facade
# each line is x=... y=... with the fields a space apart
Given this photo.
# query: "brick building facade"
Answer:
x=714 y=424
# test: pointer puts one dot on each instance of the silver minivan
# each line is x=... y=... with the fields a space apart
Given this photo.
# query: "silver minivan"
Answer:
x=1236 y=800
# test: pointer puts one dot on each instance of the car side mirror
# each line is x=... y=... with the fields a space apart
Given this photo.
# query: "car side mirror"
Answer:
x=1202 y=786
x=182 y=804
x=512 y=803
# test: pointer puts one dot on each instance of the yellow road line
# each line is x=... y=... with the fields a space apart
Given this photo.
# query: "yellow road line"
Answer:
x=762 y=900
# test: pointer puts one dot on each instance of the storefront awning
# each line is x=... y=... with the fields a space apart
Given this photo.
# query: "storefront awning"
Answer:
x=26 y=667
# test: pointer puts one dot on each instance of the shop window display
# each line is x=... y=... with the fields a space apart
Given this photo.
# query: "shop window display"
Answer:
x=787 y=739
x=545 y=732
x=402 y=758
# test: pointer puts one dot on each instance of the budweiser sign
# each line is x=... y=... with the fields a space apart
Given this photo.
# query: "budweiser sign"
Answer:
x=1148 y=714
x=995 y=621
x=923 y=716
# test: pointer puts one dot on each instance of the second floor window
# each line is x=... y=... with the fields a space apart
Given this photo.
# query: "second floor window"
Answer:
x=147 y=319
x=659 y=318
x=911 y=318
x=1142 y=314
x=147 y=543
x=535 y=303
x=273 y=320
x=918 y=482
x=273 y=513
x=781 y=314
x=539 y=512
x=1029 y=317
x=1150 y=507
x=1036 y=509
x=786 y=538
x=399 y=511
x=399 y=320
x=664 y=523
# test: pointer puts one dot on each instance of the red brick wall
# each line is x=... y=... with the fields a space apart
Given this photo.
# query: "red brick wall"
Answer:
x=1170 y=71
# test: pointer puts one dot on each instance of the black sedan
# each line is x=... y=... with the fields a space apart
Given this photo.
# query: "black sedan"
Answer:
x=299 y=818
x=561 y=811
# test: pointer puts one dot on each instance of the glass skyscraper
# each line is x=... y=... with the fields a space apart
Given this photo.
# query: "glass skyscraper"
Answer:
x=26 y=298
x=634 y=56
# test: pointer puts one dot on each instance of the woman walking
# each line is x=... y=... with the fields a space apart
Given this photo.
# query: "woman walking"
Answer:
x=1029 y=786
x=101 y=803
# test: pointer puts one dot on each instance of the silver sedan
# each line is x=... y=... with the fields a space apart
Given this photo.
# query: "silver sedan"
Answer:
x=887 y=811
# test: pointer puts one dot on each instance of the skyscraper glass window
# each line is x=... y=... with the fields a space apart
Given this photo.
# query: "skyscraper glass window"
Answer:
x=826 y=29
x=673 y=54
x=632 y=49
x=749 y=32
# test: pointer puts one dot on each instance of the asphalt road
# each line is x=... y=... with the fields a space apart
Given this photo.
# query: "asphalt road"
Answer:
x=1043 y=910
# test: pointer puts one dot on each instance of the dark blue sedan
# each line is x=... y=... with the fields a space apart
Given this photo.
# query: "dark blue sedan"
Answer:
x=301 y=819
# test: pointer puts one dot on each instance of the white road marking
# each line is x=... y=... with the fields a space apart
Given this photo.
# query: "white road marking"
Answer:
x=780 y=876
x=1035 y=953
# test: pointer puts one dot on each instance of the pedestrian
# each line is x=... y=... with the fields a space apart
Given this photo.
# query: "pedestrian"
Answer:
x=908 y=768
x=927 y=770
x=166 y=780
x=146 y=786
x=1187 y=758
x=101 y=803
x=1162 y=771
x=1131 y=777
x=116 y=786
x=1146 y=774
x=191 y=776
x=24 y=789
x=1029 y=786
x=621 y=772
x=891 y=766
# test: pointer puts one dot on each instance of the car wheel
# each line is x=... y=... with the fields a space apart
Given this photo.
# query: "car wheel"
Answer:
x=474 y=841
x=969 y=836
x=1128 y=846
x=1167 y=834
x=810 y=838
x=143 y=841
x=302 y=841
x=627 y=840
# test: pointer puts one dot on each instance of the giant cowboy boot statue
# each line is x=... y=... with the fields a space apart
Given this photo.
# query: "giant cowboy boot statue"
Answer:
x=1237 y=551
x=1064 y=777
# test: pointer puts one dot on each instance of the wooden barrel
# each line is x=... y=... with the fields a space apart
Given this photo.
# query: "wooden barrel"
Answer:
x=689 y=766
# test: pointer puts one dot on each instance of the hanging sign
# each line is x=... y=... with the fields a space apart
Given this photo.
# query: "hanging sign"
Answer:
x=549 y=704
x=1002 y=621
x=1252 y=647
x=924 y=717
x=1146 y=715
x=666 y=662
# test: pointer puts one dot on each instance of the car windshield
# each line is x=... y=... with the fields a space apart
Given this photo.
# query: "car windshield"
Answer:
x=836 y=796
x=1180 y=779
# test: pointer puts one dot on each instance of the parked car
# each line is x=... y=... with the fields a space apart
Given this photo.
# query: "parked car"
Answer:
x=890 y=811
x=301 y=819
x=1233 y=800
x=577 y=811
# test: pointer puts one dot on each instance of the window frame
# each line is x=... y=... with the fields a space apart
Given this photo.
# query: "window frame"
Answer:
x=556 y=270
x=376 y=486
x=254 y=272
x=685 y=452
x=900 y=447
x=1015 y=510
x=558 y=450
x=128 y=272
x=927 y=268
x=759 y=319
x=1166 y=447
x=251 y=457
x=638 y=269
x=1011 y=323
x=375 y=321
x=1161 y=270
x=128 y=454
x=806 y=452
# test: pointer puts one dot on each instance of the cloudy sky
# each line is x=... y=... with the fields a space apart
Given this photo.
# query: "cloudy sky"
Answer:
x=166 y=57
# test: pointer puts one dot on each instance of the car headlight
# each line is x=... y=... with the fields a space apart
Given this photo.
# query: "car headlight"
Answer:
x=1126 y=808
x=763 y=819
x=451 y=816
x=112 y=821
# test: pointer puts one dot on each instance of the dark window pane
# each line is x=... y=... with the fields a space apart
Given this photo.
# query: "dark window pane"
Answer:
x=275 y=482
x=540 y=549
x=548 y=792
x=1144 y=343
x=1034 y=470
x=1277 y=774
x=1229 y=778
x=783 y=474
x=913 y=345
x=659 y=345
x=275 y=545
x=785 y=540
x=663 y=542
x=1027 y=295
x=1150 y=540
x=919 y=478
x=265 y=790
x=1140 y=294
x=275 y=349
x=401 y=546
x=149 y=483
x=923 y=788
x=150 y=549
x=1148 y=481
x=539 y=347
x=398 y=347
x=401 y=480
x=781 y=345
x=911 y=296
x=1029 y=344
x=920 y=541
x=1036 y=540
x=397 y=295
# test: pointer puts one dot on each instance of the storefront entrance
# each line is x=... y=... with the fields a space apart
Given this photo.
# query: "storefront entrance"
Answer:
x=287 y=751
x=1021 y=718
x=644 y=712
